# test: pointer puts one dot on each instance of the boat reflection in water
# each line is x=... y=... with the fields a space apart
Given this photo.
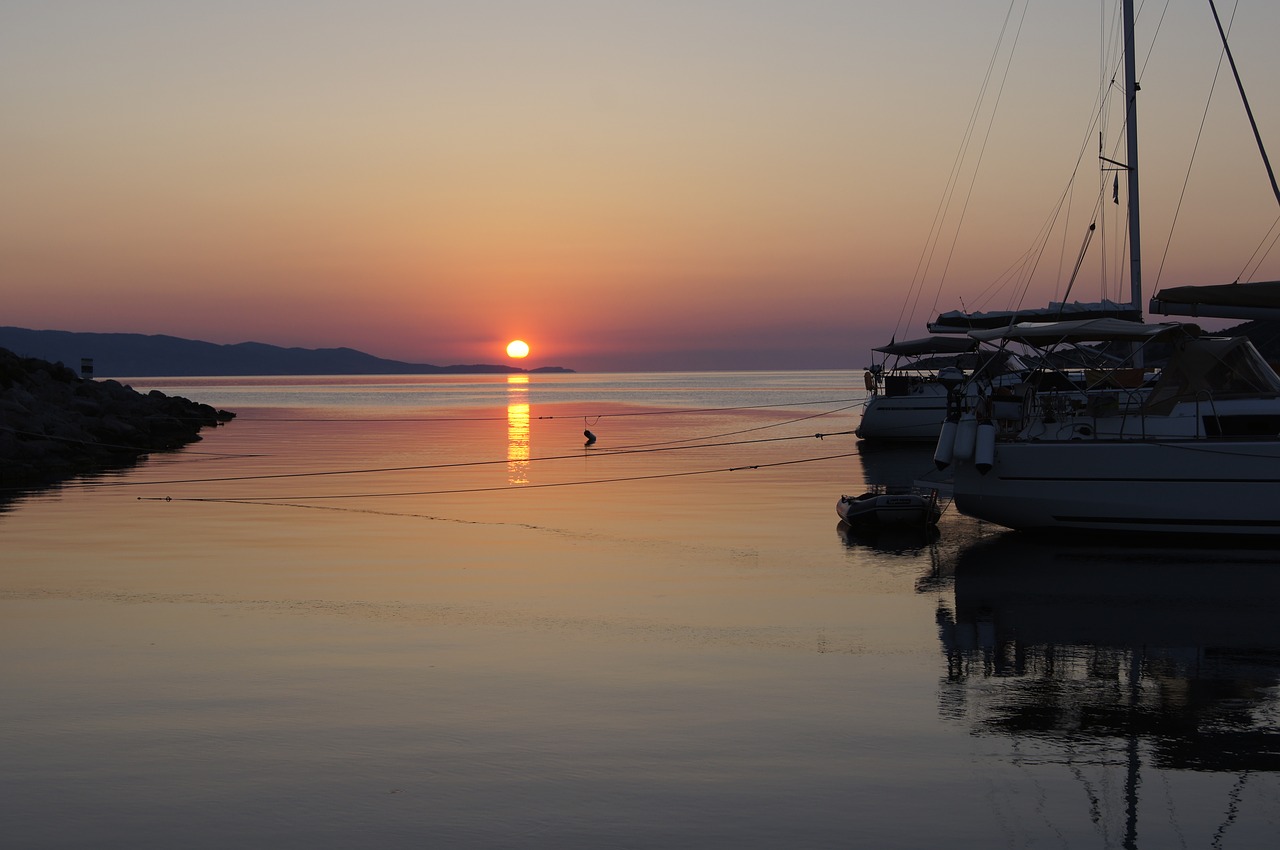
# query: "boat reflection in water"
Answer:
x=1131 y=672
x=909 y=540
x=892 y=465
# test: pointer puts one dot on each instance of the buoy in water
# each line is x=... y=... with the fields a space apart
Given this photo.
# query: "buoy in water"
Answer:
x=591 y=438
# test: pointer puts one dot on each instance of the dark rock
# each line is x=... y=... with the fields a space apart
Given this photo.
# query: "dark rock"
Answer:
x=55 y=425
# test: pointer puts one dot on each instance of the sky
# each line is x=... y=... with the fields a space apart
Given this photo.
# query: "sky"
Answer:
x=666 y=185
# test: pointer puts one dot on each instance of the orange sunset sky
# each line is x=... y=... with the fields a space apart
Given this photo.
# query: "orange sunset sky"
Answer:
x=698 y=184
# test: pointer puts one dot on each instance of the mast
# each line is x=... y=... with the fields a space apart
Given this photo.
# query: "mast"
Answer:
x=1131 y=127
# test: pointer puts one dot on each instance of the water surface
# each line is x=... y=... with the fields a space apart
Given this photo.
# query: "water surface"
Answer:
x=405 y=612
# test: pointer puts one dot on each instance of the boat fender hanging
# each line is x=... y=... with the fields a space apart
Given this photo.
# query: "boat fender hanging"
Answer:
x=966 y=433
x=945 y=450
x=591 y=438
x=984 y=450
x=869 y=380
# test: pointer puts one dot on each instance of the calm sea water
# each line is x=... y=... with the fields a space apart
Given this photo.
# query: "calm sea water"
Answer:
x=419 y=612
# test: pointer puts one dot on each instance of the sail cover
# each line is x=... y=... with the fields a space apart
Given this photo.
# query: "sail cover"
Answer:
x=958 y=321
x=1226 y=301
x=1086 y=330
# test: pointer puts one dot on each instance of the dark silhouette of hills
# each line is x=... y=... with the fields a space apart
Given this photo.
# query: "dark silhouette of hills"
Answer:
x=142 y=355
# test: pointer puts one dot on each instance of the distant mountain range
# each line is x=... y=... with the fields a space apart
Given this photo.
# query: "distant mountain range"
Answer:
x=146 y=356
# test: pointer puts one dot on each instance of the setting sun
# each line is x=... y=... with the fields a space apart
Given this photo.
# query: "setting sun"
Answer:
x=517 y=348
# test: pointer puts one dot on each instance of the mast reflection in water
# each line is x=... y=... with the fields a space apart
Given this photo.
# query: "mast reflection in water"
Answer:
x=1141 y=672
x=517 y=429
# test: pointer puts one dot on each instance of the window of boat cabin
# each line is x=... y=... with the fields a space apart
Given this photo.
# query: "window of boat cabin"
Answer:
x=1211 y=368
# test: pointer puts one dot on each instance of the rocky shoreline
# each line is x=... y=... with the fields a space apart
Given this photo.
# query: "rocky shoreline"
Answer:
x=55 y=425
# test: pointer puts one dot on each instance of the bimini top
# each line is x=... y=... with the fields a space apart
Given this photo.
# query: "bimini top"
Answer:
x=1085 y=330
x=929 y=345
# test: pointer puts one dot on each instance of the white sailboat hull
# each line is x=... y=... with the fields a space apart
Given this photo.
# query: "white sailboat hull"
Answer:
x=1226 y=486
x=915 y=417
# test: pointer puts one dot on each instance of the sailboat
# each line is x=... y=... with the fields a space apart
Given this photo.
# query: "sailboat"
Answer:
x=910 y=387
x=1198 y=452
x=908 y=400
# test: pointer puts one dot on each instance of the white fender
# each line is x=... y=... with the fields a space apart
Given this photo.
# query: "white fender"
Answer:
x=946 y=447
x=966 y=433
x=984 y=450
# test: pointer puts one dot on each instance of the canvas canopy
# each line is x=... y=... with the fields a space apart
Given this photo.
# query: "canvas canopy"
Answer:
x=1211 y=368
x=929 y=345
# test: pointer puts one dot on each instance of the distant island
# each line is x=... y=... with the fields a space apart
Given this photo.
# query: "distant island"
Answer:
x=149 y=356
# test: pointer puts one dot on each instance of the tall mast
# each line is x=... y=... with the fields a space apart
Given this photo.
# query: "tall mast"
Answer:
x=1131 y=126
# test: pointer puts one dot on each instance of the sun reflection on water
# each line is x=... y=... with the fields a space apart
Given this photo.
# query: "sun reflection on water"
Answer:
x=517 y=429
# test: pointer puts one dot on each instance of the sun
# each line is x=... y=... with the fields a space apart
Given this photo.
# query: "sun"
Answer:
x=517 y=348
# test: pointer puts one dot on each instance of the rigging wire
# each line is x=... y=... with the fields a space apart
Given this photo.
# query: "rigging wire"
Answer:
x=981 y=152
x=1111 y=58
x=1155 y=36
x=1084 y=248
x=1021 y=272
x=1226 y=49
x=1026 y=266
x=1186 y=180
x=1244 y=99
x=1259 y=254
x=944 y=203
x=1062 y=250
